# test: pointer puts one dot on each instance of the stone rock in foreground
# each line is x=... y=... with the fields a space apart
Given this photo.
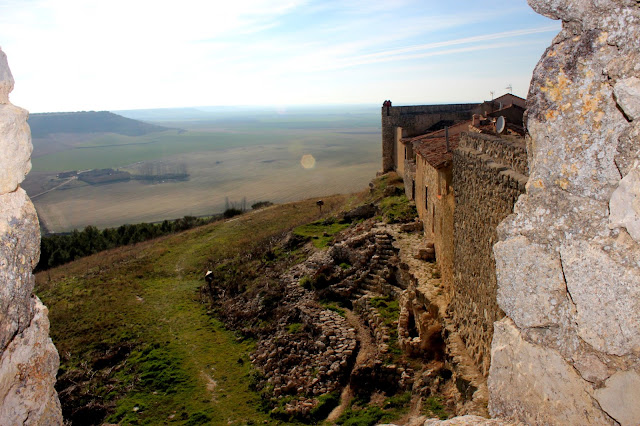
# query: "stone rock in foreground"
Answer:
x=554 y=392
x=28 y=369
x=15 y=140
x=19 y=252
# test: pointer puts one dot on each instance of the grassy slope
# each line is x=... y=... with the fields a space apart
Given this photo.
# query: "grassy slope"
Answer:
x=146 y=296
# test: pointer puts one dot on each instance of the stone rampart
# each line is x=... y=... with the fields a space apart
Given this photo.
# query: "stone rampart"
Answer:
x=28 y=360
x=414 y=121
x=486 y=188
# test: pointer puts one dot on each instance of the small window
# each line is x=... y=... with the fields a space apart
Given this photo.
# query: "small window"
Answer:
x=405 y=152
x=426 y=198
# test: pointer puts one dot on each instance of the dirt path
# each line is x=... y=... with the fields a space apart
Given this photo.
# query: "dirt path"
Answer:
x=367 y=351
x=55 y=187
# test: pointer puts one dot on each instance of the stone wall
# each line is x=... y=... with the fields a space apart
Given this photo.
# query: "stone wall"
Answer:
x=28 y=360
x=487 y=180
x=435 y=203
x=568 y=260
x=414 y=121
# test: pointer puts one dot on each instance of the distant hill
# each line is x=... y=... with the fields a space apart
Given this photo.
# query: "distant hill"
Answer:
x=88 y=122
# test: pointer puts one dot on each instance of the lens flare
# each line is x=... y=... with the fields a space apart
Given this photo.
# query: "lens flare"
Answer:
x=308 y=162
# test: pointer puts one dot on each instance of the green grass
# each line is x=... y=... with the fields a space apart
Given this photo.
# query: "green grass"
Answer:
x=368 y=415
x=398 y=209
x=184 y=366
x=433 y=406
x=388 y=308
x=294 y=328
x=321 y=232
x=333 y=306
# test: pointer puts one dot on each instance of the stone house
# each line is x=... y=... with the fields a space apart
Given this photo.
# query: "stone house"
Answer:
x=428 y=176
x=501 y=102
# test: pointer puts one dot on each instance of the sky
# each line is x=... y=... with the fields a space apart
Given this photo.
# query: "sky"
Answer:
x=71 y=55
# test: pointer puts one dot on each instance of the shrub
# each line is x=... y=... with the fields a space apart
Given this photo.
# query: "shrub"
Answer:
x=261 y=204
x=326 y=403
x=231 y=212
x=306 y=283
x=294 y=328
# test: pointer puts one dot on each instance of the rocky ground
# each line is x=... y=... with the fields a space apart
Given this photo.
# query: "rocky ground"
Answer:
x=349 y=325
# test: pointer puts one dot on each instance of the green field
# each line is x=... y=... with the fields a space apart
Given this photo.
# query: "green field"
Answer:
x=232 y=156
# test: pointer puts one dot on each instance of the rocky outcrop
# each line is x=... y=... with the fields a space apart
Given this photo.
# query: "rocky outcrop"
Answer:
x=568 y=259
x=28 y=360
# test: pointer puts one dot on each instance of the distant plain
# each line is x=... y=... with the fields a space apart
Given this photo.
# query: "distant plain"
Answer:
x=231 y=154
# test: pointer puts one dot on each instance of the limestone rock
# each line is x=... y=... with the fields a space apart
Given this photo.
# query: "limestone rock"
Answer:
x=620 y=397
x=15 y=143
x=28 y=359
x=627 y=153
x=574 y=120
x=531 y=287
x=19 y=253
x=535 y=385
x=27 y=370
x=627 y=93
x=583 y=139
x=466 y=421
x=6 y=79
x=607 y=298
x=590 y=367
x=625 y=204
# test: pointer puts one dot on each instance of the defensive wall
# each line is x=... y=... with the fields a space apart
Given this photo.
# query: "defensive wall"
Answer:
x=408 y=121
x=489 y=174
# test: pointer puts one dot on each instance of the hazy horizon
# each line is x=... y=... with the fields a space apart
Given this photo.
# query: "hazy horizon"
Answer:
x=67 y=55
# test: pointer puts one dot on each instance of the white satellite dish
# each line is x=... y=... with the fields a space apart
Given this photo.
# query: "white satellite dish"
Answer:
x=500 y=124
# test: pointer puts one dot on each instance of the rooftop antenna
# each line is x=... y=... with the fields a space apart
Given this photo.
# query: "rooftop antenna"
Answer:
x=492 y=93
x=509 y=88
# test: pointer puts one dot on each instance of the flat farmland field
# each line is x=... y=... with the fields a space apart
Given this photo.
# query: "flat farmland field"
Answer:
x=251 y=158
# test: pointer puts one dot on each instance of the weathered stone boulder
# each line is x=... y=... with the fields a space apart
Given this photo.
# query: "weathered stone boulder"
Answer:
x=28 y=368
x=28 y=360
x=19 y=252
x=6 y=79
x=568 y=260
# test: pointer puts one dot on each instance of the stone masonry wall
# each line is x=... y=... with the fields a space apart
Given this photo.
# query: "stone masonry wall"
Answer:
x=568 y=260
x=487 y=180
x=28 y=360
x=414 y=120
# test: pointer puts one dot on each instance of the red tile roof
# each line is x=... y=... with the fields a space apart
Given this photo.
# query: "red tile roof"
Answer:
x=433 y=148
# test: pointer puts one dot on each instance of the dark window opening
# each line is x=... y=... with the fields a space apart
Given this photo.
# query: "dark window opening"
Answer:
x=426 y=198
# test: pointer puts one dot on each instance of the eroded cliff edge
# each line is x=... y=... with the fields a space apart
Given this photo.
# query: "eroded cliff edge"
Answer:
x=28 y=359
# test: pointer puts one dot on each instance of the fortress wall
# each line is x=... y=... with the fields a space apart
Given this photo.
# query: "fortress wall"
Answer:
x=486 y=187
x=28 y=360
x=414 y=121
x=568 y=260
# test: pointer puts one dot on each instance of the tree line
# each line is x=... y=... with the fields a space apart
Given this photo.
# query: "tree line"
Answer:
x=58 y=249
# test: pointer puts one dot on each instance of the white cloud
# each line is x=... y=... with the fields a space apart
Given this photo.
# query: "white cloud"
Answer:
x=118 y=54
